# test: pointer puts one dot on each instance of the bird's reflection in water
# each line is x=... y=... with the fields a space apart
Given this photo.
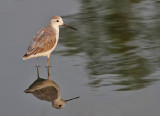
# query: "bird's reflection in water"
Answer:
x=48 y=90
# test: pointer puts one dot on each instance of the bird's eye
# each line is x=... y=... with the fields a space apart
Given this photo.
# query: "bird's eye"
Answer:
x=60 y=105
x=57 y=20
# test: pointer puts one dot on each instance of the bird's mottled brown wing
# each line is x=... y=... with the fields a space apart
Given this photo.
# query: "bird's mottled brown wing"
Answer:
x=43 y=41
x=48 y=93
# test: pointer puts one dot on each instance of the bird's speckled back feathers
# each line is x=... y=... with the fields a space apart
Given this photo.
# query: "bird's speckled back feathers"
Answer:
x=43 y=41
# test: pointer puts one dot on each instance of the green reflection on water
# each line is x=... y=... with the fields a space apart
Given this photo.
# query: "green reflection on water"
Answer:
x=114 y=39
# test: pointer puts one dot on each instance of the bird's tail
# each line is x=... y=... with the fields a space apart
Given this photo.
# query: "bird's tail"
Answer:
x=28 y=91
x=26 y=56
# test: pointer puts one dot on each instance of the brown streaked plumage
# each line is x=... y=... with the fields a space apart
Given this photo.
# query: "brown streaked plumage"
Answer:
x=45 y=40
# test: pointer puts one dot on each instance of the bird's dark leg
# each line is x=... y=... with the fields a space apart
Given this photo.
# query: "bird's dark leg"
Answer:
x=47 y=61
x=37 y=61
x=37 y=72
x=49 y=78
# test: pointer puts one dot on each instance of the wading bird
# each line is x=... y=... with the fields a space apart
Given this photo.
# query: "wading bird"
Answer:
x=45 y=40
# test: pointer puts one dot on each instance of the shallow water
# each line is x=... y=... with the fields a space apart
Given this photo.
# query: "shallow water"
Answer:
x=112 y=62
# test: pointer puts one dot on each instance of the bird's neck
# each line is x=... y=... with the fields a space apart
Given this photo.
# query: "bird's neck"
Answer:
x=56 y=28
x=57 y=100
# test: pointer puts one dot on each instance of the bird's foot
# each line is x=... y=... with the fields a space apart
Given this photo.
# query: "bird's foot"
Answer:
x=48 y=66
x=37 y=66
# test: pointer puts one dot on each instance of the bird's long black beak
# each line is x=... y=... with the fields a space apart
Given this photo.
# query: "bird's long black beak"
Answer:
x=70 y=27
x=72 y=99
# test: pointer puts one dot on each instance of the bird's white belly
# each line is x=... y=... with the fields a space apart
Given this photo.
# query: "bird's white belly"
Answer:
x=47 y=53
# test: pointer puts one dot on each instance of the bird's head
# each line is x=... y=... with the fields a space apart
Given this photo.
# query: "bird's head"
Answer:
x=57 y=21
x=58 y=104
